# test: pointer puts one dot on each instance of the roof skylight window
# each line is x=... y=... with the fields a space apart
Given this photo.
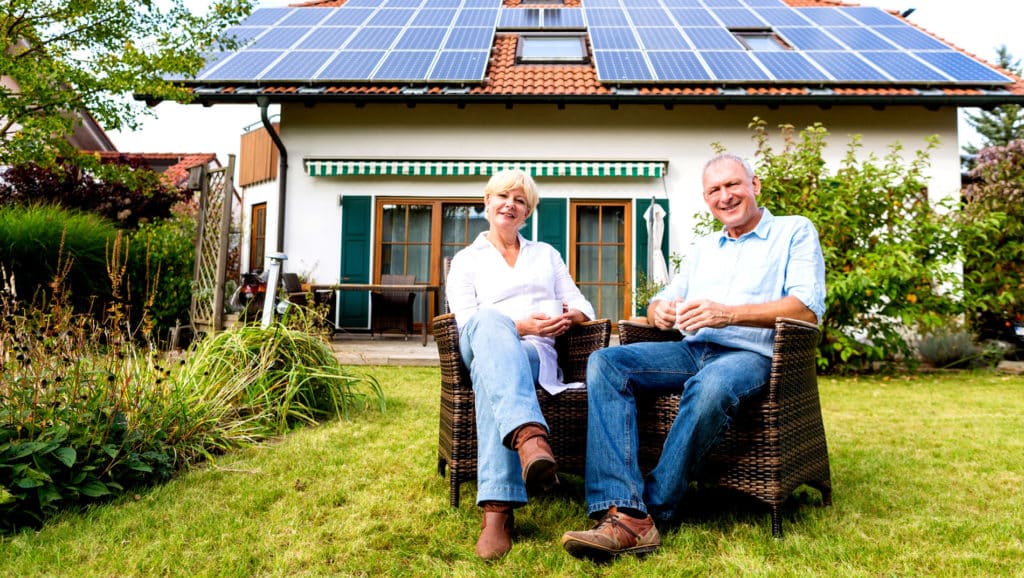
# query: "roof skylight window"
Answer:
x=551 y=48
x=760 y=40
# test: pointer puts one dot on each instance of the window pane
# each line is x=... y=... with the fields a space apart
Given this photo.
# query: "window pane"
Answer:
x=419 y=223
x=611 y=256
x=387 y=221
x=587 y=229
x=588 y=263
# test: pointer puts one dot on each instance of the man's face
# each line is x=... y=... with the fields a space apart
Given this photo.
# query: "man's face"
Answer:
x=732 y=196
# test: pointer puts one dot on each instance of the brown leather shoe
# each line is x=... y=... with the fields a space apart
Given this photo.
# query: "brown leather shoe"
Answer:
x=615 y=534
x=495 y=530
x=540 y=472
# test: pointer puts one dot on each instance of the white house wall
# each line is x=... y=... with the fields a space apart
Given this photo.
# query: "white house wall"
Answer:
x=682 y=137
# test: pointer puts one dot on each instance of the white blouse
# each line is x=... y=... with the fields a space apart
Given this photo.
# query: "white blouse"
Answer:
x=479 y=277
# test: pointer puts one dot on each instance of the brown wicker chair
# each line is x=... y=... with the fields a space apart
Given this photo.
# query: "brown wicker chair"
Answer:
x=392 y=310
x=566 y=413
x=775 y=444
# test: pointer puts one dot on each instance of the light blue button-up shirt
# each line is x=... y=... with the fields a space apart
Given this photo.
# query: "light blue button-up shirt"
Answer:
x=780 y=257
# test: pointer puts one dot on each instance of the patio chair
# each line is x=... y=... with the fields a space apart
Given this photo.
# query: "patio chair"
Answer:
x=392 y=310
x=775 y=444
x=293 y=289
x=566 y=413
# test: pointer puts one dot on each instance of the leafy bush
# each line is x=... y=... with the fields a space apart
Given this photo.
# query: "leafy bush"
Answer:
x=890 y=253
x=952 y=350
x=144 y=198
x=162 y=257
x=86 y=414
x=994 y=257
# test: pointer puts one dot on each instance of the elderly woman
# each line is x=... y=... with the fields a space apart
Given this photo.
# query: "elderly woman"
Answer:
x=501 y=289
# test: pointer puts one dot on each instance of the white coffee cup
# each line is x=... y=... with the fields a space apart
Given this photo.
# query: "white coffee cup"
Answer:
x=679 y=311
x=550 y=307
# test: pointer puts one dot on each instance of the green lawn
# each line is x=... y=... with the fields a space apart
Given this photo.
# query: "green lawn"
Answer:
x=928 y=478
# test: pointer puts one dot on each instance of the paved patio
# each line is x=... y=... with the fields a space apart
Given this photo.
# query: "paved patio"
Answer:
x=384 y=350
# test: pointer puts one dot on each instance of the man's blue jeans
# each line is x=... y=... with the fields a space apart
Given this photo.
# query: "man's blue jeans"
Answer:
x=713 y=379
x=504 y=370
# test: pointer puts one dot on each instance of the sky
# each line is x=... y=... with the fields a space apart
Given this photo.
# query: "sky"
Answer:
x=977 y=26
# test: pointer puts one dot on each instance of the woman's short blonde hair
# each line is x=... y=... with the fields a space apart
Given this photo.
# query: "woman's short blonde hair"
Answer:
x=510 y=179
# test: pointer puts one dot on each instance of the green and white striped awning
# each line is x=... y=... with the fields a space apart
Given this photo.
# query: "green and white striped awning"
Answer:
x=433 y=168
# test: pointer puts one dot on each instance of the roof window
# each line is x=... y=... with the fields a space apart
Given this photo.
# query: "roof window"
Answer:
x=551 y=49
x=760 y=40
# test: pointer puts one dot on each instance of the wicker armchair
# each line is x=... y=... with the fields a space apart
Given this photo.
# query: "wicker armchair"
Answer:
x=566 y=413
x=775 y=444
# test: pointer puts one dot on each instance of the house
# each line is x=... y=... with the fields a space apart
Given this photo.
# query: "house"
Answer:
x=394 y=113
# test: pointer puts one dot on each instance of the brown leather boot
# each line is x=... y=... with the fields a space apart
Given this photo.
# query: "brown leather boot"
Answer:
x=540 y=472
x=495 y=530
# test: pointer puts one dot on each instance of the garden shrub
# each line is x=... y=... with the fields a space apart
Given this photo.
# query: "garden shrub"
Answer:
x=994 y=258
x=890 y=253
x=83 y=421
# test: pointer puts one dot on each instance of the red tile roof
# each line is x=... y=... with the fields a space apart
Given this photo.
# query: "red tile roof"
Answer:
x=506 y=81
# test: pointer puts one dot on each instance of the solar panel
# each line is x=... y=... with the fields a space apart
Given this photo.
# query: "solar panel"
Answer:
x=298 y=66
x=604 y=17
x=476 y=38
x=827 y=16
x=622 y=65
x=349 y=16
x=871 y=16
x=962 y=68
x=477 y=17
x=391 y=17
x=739 y=18
x=712 y=39
x=328 y=37
x=663 y=38
x=563 y=18
x=519 y=18
x=305 y=17
x=723 y=3
x=910 y=38
x=861 y=38
x=846 y=65
x=766 y=4
x=809 y=39
x=279 y=38
x=603 y=3
x=434 y=17
x=782 y=17
x=903 y=67
x=613 y=39
x=693 y=17
x=405 y=65
x=265 y=17
x=378 y=37
x=243 y=34
x=649 y=17
x=421 y=38
x=790 y=66
x=677 y=66
x=733 y=65
x=352 y=65
x=460 y=65
x=243 y=65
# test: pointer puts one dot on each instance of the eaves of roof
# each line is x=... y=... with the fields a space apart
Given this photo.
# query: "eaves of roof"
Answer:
x=509 y=83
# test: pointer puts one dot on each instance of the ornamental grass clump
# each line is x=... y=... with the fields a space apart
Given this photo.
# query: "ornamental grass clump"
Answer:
x=87 y=414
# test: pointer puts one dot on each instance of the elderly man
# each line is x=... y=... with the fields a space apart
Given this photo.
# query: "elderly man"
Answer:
x=737 y=281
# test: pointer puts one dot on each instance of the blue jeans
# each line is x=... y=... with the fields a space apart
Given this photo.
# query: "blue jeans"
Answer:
x=504 y=372
x=713 y=380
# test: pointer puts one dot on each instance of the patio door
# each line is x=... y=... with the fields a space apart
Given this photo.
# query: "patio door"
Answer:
x=600 y=255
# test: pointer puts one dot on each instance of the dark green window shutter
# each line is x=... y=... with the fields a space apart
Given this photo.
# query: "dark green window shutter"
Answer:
x=641 y=235
x=356 y=245
x=552 y=224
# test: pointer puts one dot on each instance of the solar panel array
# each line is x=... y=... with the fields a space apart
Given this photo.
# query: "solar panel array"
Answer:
x=697 y=41
x=633 y=41
x=363 y=40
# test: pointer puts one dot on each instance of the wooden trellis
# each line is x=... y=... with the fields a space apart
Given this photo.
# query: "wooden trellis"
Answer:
x=215 y=201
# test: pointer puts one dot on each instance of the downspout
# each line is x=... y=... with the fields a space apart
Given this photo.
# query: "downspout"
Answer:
x=282 y=173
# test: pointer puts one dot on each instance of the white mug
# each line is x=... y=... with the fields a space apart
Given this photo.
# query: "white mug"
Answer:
x=550 y=307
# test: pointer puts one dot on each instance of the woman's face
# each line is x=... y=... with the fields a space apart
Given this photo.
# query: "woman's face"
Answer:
x=507 y=209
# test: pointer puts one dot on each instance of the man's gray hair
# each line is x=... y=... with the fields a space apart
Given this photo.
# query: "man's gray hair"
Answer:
x=721 y=157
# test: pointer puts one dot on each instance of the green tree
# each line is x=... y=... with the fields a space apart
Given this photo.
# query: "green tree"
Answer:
x=890 y=253
x=994 y=258
x=1002 y=124
x=63 y=57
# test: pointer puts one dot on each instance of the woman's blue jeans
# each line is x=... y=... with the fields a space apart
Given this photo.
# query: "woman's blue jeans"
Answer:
x=504 y=371
x=713 y=380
